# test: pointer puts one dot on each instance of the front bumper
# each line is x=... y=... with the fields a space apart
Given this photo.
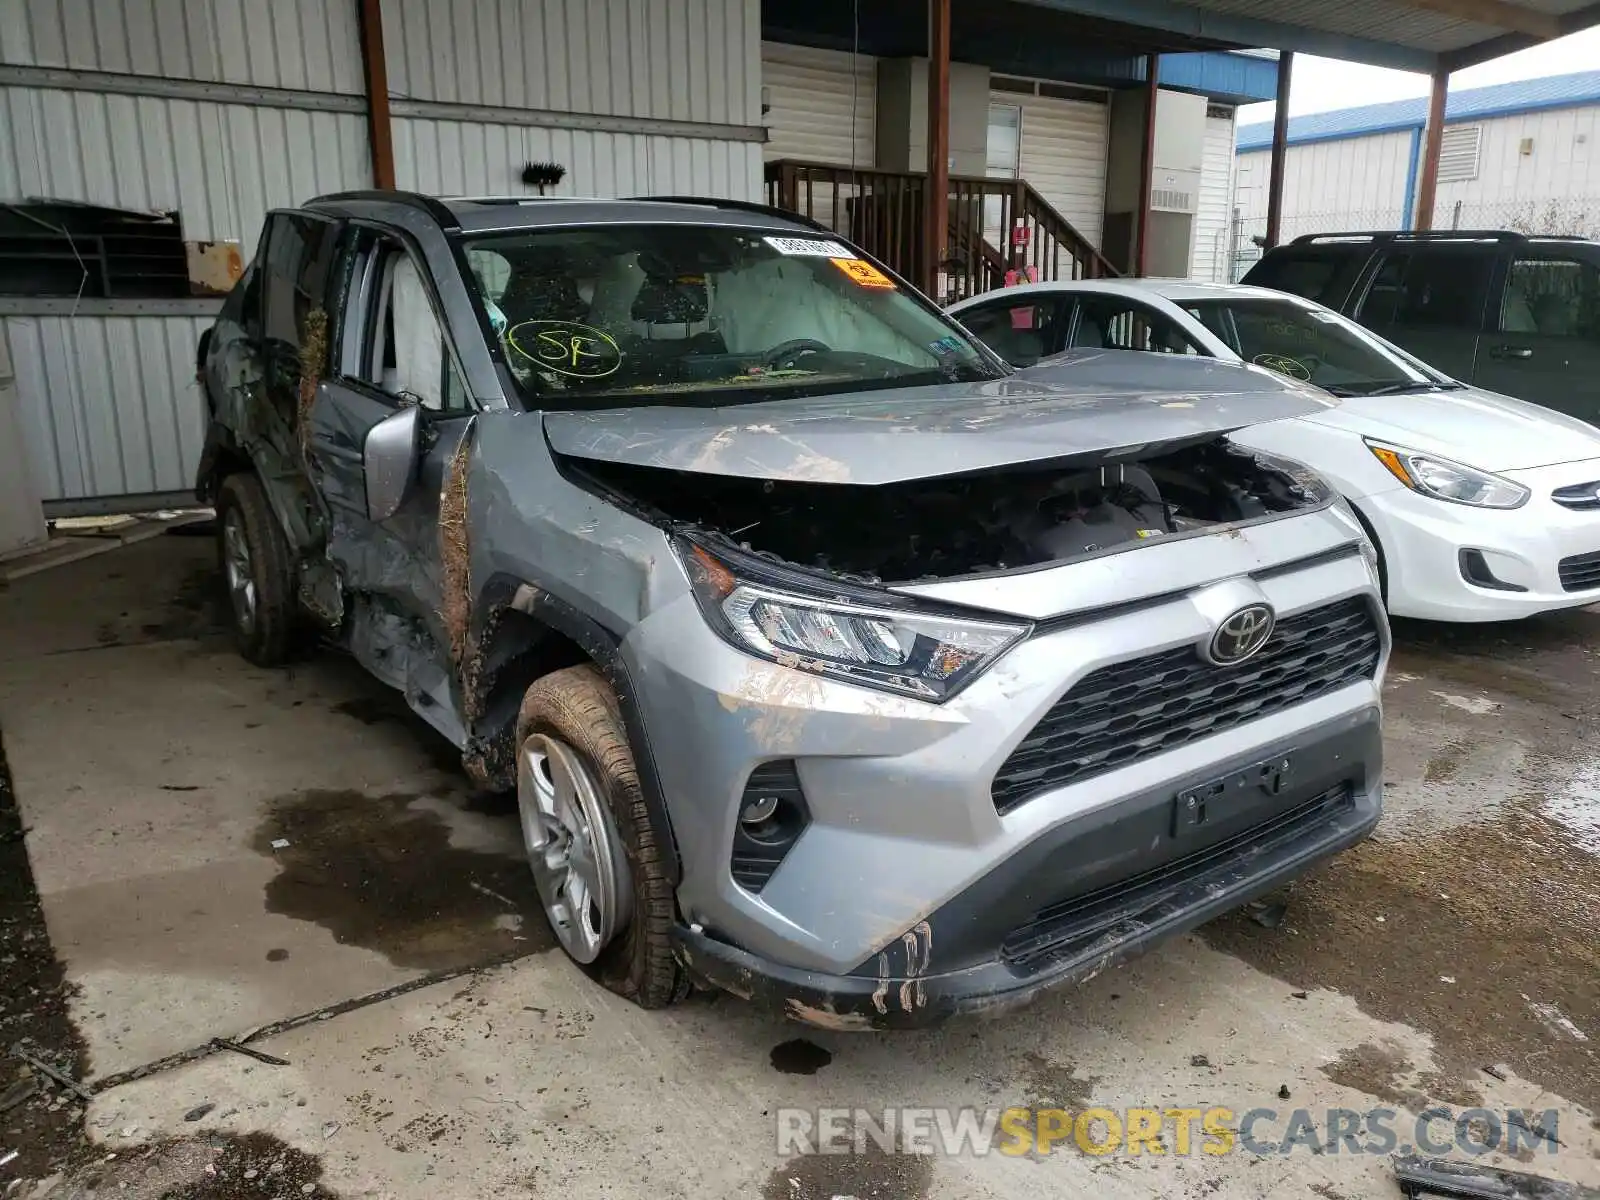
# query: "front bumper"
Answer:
x=903 y=819
x=1423 y=538
x=1081 y=911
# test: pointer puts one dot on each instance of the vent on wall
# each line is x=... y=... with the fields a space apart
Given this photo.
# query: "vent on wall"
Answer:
x=1171 y=200
x=1458 y=153
x=1219 y=112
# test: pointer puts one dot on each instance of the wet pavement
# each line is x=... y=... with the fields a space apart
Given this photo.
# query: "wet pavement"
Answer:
x=219 y=849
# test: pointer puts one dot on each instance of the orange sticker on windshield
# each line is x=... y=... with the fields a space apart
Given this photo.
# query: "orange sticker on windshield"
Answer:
x=862 y=273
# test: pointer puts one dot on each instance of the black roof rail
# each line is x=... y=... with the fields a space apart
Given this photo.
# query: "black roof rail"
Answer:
x=738 y=206
x=1418 y=235
x=428 y=204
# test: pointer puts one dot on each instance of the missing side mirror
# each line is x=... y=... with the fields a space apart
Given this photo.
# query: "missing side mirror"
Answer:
x=390 y=461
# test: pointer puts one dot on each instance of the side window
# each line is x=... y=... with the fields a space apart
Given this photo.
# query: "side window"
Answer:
x=1020 y=329
x=1444 y=288
x=1112 y=323
x=1323 y=275
x=1552 y=297
x=400 y=347
x=300 y=251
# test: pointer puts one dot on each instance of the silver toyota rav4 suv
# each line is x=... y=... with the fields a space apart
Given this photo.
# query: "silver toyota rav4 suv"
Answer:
x=832 y=662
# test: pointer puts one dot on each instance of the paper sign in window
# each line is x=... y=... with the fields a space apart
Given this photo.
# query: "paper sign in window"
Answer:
x=862 y=273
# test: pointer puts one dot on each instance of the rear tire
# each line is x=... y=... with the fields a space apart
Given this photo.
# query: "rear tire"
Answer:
x=575 y=711
x=258 y=571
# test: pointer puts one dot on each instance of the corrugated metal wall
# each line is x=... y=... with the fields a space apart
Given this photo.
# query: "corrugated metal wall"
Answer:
x=308 y=45
x=813 y=107
x=124 y=415
x=1354 y=183
x=1213 y=221
x=222 y=166
x=457 y=158
x=680 y=60
x=642 y=61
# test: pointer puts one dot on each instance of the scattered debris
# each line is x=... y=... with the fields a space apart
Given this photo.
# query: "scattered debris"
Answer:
x=8 y=1156
x=249 y=1052
x=1268 y=916
x=17 y=1093
x=199 y=1111
x=1478 y=706
x=61 y=1077
x=1556 y=1021
x=280 y=843
x=1283 y=1091
x=1447 y=979
x=1199 y=1060
x=1471 y=1181
x=328 y=1130
x=1299 y=995
x=1499 y=1071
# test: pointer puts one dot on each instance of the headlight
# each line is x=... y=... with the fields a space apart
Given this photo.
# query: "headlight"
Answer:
x=930 y=656
x=1445 y=480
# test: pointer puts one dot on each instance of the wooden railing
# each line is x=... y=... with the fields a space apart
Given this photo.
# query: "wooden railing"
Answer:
x=995 y=225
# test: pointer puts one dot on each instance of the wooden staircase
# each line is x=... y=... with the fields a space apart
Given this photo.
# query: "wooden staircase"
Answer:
x=996 y=225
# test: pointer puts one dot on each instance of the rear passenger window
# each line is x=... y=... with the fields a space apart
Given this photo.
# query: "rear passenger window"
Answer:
x=1429 y=289
x=300 y=253
x=1021 y=330
x=1322 y=276
x=1552 y=297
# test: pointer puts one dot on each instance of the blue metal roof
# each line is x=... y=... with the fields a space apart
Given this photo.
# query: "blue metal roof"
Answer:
x=1502 y=99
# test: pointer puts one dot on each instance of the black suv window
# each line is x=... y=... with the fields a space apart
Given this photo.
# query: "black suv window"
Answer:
x=300 y=250
x=1432 y=288
x=1323 y=274
x=1554 y=297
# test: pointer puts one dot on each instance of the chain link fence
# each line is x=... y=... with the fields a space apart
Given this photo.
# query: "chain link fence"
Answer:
x=1570 y=216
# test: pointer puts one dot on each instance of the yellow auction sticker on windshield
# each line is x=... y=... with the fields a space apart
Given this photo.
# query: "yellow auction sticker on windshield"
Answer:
x=567 y=348
x=862 y=273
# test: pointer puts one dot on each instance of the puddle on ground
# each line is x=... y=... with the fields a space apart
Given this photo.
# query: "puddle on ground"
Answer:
x=1475 y=934
x=1575 y=805
x=874 y=1175
x=800 y=1056
x=381 y=872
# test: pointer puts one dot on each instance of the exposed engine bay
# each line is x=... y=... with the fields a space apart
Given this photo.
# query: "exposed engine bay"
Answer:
x=959 y=525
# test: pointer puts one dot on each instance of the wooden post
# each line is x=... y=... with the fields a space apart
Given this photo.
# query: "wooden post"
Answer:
x=1280 y=149
x=937 y=219
x=380 y=133
x=1147 y=166
x=1433 y=142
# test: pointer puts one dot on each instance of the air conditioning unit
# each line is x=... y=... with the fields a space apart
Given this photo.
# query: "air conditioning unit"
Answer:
x=1174 y=191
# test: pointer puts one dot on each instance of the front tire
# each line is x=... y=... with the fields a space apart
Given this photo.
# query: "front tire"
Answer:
x=595 y=854
x=257 y=569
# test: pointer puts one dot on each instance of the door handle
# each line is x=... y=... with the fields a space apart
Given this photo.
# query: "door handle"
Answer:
x=1511 y=352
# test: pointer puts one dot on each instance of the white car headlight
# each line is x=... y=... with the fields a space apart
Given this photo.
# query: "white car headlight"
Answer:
x=1445 y=480
x=910 y=652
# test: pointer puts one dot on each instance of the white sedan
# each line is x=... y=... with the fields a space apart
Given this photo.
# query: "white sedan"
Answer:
x=1483 y=508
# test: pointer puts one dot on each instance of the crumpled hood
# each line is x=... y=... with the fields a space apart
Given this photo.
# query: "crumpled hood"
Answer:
x=1481 y=429
x=1049 y=412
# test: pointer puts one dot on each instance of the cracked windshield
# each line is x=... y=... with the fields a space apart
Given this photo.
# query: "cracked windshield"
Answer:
x=587 y=317
x=1315 y=346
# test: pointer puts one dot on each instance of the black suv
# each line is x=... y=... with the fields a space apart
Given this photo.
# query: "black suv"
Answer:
x=1513 y=314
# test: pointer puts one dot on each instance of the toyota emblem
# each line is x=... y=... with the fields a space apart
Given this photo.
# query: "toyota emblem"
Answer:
x=1241 y=635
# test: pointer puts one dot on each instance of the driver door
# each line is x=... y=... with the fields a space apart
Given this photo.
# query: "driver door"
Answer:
x=394 y=375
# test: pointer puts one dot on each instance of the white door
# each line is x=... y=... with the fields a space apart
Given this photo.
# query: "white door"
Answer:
x=1002 y=161
x=21 y=518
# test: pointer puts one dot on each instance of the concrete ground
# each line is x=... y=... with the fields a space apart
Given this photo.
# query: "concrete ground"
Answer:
x=219 y=849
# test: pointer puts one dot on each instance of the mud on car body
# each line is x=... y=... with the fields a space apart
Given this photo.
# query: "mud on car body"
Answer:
x=832 y=663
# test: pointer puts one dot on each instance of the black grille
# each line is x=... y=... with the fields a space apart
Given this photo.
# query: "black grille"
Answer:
x=1147 y=705
x=1578 y=495
x=1580 y=572
x=1125 y=908
x=758 y=849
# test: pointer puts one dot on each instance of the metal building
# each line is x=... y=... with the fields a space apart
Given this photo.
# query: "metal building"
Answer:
x=1523 y=156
